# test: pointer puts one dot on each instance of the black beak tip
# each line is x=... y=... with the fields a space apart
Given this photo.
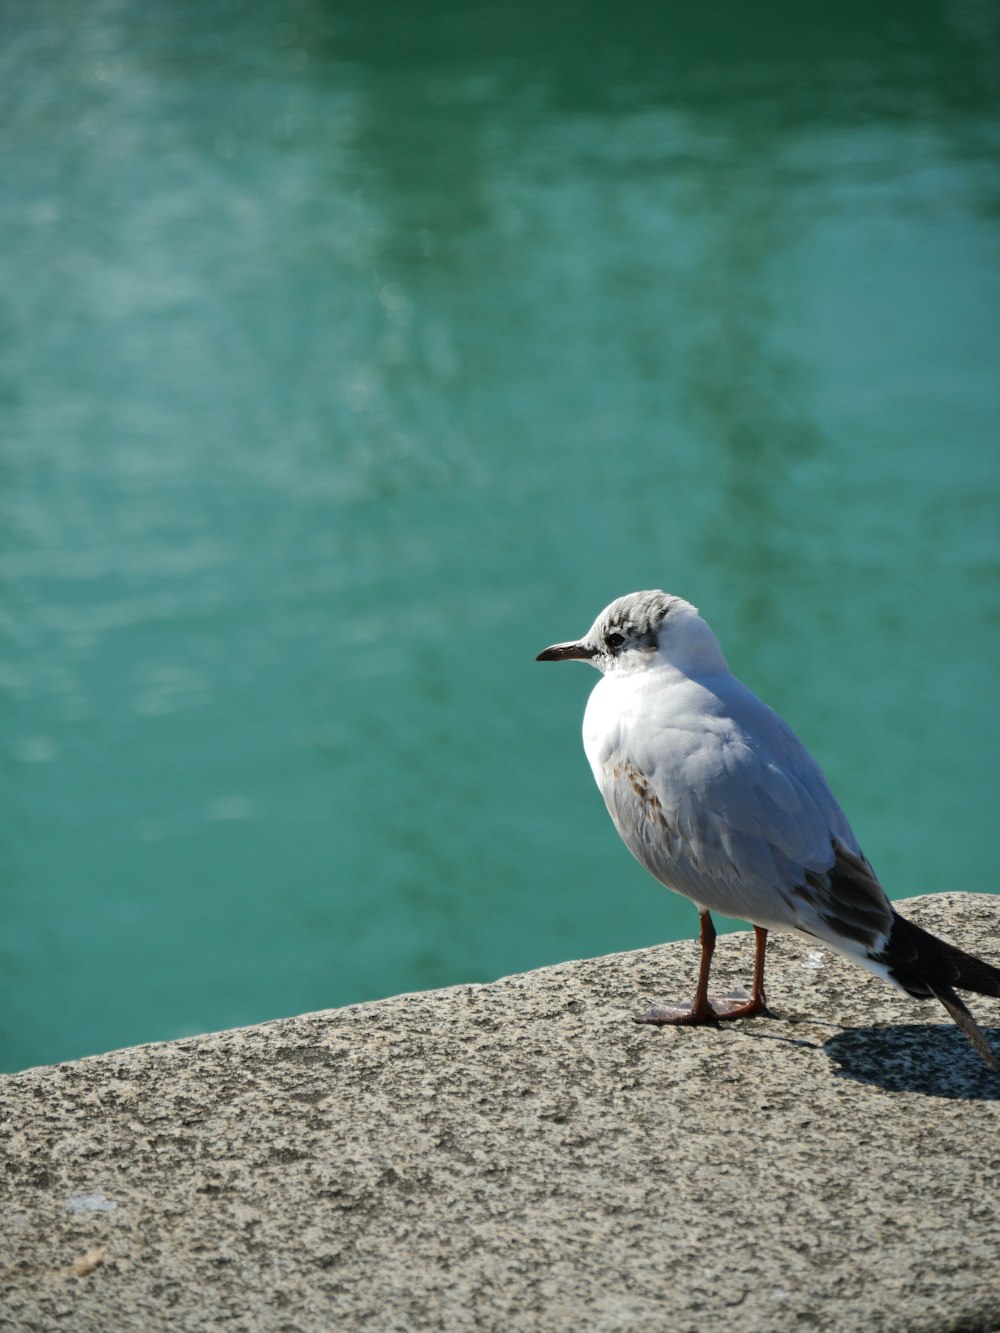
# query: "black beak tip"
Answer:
x=565 y=652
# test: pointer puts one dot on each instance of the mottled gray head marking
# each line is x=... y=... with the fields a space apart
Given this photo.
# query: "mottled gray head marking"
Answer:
x=631 y=622
x=625 y=637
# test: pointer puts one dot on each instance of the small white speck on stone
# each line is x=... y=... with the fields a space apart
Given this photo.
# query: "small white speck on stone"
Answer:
x=814 y=959
x=90 y=1203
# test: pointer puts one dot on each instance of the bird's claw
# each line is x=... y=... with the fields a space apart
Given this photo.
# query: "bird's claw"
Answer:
x=719 y=1009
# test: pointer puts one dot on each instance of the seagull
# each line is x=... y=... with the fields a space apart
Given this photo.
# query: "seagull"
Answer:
x=717 y=797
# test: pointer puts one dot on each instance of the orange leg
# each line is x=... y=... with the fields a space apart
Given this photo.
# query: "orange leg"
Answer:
x=711 y=1009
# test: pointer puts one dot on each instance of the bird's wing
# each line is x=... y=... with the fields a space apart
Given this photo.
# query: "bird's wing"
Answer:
x=731 y=810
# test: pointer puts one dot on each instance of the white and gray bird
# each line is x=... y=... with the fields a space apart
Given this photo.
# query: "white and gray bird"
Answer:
x=718 y=798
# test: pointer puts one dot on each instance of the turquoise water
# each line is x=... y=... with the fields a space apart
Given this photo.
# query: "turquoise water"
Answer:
x=353 y=353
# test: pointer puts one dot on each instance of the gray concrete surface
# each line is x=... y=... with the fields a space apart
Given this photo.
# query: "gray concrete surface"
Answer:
x=522 y=1156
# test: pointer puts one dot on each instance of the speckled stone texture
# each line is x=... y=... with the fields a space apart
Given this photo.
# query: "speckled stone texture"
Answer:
x=522 y=1156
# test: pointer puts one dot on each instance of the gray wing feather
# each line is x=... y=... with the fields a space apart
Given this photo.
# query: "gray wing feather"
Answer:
x=739 y=817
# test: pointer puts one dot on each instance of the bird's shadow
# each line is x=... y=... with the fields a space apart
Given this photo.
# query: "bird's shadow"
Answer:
x=901 y=1057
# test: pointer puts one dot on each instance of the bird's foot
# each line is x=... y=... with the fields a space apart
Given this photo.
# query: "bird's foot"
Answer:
x=719 y=1009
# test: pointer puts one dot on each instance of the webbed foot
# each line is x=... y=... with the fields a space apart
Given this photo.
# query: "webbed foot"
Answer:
x=718 y=1009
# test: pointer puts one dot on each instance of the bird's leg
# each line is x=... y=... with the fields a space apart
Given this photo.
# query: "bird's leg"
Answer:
x=713 y=1010
x=759 y=954
x=757 y=1004
x=701 y=1011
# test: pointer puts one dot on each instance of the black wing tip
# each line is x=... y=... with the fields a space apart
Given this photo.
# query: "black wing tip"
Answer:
x=961 y=1016
x=923 y=964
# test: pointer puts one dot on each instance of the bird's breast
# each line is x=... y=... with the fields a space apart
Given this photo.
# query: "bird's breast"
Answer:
x=625 y=714
x=602 y=727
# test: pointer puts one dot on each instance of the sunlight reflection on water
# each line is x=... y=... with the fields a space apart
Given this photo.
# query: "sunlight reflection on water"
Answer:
x=347 y=364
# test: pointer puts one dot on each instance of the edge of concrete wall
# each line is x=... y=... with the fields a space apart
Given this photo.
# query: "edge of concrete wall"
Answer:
x=521 y=1155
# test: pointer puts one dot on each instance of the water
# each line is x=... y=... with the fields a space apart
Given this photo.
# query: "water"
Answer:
x=353 y=353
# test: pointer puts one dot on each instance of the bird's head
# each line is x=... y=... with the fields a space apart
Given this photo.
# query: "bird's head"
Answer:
x=640 y=630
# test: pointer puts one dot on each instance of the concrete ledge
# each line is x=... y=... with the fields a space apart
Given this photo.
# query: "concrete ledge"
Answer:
x=522 y=1156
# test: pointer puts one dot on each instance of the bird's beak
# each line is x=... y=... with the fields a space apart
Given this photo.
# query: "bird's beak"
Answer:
x=566 y=652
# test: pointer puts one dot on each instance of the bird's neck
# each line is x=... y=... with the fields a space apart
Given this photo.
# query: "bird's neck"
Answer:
x=690 y=648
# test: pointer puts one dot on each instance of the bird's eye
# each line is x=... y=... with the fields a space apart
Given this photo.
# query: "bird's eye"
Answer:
x=614 y=640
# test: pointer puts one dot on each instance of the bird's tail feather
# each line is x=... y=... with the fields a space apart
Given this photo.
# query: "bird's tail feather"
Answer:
x=925 y=966
x=966 y=1022
x=919 y=961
